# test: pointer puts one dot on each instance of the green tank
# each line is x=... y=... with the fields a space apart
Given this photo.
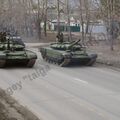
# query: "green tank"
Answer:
x=13 y=52
x=67 y=53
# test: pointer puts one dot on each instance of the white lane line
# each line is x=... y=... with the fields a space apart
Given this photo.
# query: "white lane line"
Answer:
x=82 y=81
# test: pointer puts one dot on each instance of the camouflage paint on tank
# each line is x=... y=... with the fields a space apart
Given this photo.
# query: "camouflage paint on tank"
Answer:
x=67 y=53
x=14 y=53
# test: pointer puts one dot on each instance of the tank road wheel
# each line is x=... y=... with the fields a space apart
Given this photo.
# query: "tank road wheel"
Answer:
x=31 y=63
x=2 y=63
x=54 y=61
x=46 y=59
x=50 y=60
x=65 y=63
x=43 y=56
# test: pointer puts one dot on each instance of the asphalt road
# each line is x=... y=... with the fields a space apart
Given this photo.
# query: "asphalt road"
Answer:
x=73 y=93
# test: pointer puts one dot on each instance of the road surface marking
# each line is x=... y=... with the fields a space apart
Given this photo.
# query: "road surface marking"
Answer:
x=82 y=81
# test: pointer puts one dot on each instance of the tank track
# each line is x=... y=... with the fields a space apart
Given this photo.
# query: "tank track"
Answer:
x=65 y=63
x=61 y=62
x=31 y=63
x=92 y=61
x=2 y=63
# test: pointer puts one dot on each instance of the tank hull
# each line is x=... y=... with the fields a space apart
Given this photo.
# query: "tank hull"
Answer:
x=84 y=60
x=27 y=60
x=17 y=62
x=64 y=58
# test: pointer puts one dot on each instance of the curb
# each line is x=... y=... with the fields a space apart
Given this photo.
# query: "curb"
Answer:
x=108 y=63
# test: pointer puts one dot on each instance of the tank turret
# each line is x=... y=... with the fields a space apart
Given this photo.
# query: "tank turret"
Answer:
x=75 y=45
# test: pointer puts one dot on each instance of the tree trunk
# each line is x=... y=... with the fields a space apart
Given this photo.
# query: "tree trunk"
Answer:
x=81 y=20
x=68 y=24
x=45 y=19
x=58 y=17
x=39 y=21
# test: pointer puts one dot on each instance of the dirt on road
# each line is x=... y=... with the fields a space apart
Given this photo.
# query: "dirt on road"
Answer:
x=10 y=109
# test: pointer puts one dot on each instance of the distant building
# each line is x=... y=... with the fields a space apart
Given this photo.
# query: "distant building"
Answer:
x=97 y=27
x=74 y=25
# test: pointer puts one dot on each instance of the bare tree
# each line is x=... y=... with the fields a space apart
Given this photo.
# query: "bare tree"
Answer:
x=68 y=20
x=81 y=19
x=58 y=16
x=111 y=18
x=45 y=16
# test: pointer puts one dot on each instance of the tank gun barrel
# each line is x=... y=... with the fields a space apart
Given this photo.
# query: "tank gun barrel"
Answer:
x=74 y=43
